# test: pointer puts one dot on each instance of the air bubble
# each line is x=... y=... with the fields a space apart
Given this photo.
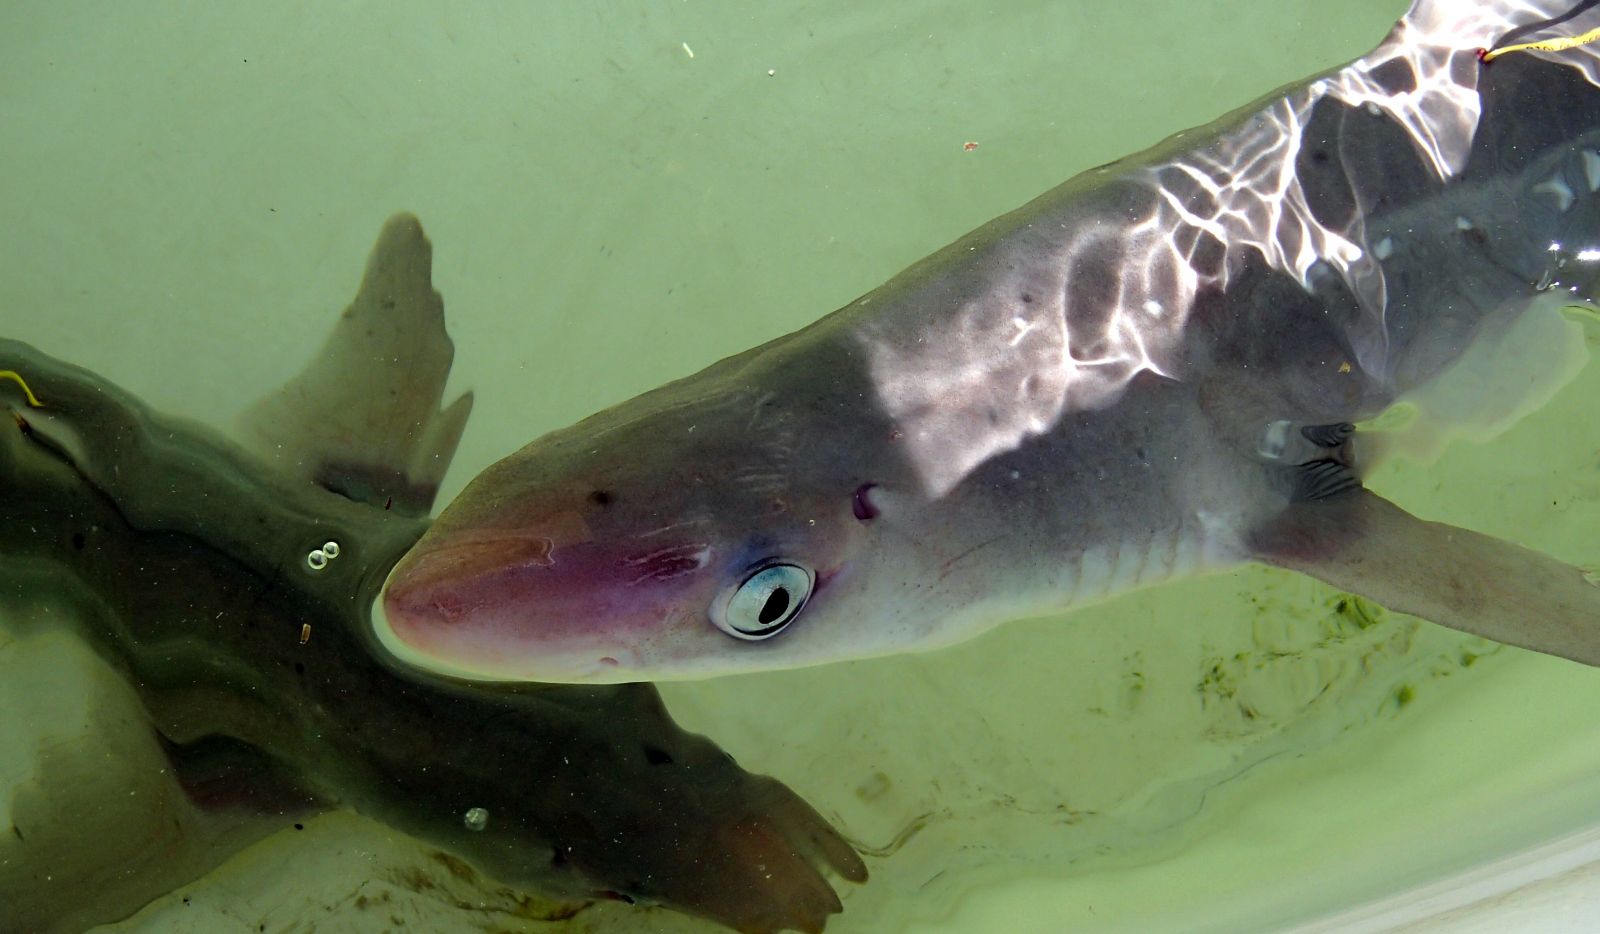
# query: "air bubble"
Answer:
x=331 y=549
x=317 y=559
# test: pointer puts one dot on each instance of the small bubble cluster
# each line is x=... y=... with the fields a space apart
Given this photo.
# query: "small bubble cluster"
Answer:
x=318 y=558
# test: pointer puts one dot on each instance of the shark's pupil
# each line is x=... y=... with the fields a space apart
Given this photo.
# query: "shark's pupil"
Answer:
x=777 y=602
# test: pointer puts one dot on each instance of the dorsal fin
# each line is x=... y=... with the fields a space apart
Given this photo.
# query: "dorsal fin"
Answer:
x=363 y=418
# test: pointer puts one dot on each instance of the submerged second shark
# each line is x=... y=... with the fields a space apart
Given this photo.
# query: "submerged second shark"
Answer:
x=1170 y=364
x=227 y=586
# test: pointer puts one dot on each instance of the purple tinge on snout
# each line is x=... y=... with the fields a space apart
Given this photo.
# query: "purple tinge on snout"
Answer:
x=488 y=600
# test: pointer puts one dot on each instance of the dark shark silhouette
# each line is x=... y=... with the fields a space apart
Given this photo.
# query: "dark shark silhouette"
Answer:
x=204 y=573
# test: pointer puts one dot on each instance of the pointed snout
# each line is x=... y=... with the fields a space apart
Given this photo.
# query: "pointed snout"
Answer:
x=545 y=602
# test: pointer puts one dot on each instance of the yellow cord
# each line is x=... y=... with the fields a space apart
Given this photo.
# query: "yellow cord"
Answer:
x=1544 y=45
x=15 y=377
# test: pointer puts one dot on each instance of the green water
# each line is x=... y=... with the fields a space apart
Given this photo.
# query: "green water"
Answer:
x=620 y=193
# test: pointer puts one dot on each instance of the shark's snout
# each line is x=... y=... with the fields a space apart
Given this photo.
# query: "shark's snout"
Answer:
x=546 y=601
x=444 y=584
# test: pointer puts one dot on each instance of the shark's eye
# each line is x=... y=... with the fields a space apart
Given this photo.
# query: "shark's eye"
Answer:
x=765 y=603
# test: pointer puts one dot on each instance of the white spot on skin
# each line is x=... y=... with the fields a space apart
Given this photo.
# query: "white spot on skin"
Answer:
x=1384 y=248
x=1559 y=188
x=1274 y=440
x=1153 y=308
x=1023 y=326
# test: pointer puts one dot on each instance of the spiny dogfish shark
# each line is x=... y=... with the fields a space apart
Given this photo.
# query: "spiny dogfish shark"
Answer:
x=1167 y=366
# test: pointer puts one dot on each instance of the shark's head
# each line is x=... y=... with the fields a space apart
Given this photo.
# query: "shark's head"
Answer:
x=722 y=523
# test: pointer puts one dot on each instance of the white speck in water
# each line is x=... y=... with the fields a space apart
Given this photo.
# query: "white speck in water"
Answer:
x=1384 y=248
x=771 y=72
x=331 y=549
x=1463 y=223
x=688 y=51
x=1153 y=308
x=317 y=559
x=476 y=818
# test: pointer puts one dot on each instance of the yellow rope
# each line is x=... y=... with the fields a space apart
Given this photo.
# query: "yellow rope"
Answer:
x=1544 y=45
x=15 y=377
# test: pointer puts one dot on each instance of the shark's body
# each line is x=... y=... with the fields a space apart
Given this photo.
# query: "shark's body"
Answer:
x=1149 y=372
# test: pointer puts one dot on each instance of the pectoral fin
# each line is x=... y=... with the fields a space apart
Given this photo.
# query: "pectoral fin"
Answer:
x=1360 y=542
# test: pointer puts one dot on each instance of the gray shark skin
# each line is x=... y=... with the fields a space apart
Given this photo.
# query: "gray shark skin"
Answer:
x=1153 y=371
x=189 y=561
